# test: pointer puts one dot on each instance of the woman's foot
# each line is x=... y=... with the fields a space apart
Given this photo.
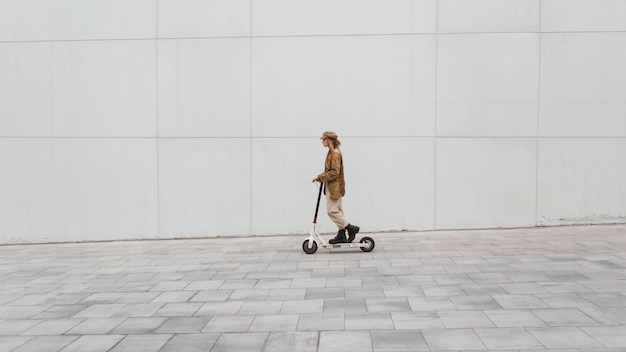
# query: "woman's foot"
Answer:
x=340 y=238
x=352 y=231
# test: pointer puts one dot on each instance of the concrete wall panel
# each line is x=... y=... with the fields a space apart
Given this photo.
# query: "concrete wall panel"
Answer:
x=283 y=196
x=583 y=15
x=476 y=16
x=77 y=189
x=204 y=87
x=333 y=17
x=204 y=187
x=487 y=85
x=581 y=181
x=78 y=89
x=390 y=183
x=583 y=84
x=359 y=86
x=204 y=18
x=29 y=20
x=485 y=183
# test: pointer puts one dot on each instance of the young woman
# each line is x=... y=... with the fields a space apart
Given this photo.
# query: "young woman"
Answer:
x=335 y=188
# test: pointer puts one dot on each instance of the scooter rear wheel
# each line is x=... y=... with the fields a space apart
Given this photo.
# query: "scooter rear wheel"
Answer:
x=370 y=244
x=307 y=249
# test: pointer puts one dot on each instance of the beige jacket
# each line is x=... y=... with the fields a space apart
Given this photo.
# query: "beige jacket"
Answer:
x=333 y=174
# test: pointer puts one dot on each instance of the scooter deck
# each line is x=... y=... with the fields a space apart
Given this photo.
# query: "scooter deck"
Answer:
x=344 y=245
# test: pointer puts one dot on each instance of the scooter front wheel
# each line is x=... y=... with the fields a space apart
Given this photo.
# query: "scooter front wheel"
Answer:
x=309 y=249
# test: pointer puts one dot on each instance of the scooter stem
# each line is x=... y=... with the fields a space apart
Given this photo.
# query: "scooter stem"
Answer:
x=317 y=207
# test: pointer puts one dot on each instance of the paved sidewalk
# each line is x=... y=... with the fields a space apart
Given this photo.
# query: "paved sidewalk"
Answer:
x=539 y=289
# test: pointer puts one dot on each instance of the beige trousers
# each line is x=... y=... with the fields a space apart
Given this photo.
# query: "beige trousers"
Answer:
x=334 y=209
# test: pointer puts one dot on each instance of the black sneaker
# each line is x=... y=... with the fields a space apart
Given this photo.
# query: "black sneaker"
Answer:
x=340 y=238
x=352 y=231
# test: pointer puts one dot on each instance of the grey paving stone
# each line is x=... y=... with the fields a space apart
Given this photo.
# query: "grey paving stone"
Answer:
x=93 y=343
x=182 y=325
x=32 y=299
x=286 y=322
x=344 y=282
x=452 y=279
x=137 y=297
x=341 y=341
x=321 y=322
x=45 y=343
x=325 y=293
x=272 y=283
x=415 y=280
x=481 y=289
x=252 y=295
x=99 y=311
x=60 y=311
x=141 y=343
x=308 y=282
x=9 y=343
x=564 y=337
x=514 y=318
x=102 y=297
x=518 y=301
x=145 y=325
x=402 y=291
x=395 y=304
x=443 y=290
x=611 y=299
x=609 y=336
x=138 y=310
x=432 y=304
x=174 y=297
x=475 y=302
x=368 y=321
x=564 y=287
x=211 y=296
x=178 y=309
x=229 y=323
x=22 y=312
x=267 y=307
x=526 y=277
x=564 y=317
x=52 y=327
x=399 y=340
x=465 y=319
x=203 y=285
x=95 y=326
x=17 y=326
x=508 y=339
x=564 y=300
x=303 y=306
x=364 y=292
x=251 y=342
x=524 y=288
x=344 y=305
x=292 y=341
x=190 y=343
x=286 y=294
x=219 y=308
x=416 y=320
x=566 y=276
x=606 y=315
x=452 y=340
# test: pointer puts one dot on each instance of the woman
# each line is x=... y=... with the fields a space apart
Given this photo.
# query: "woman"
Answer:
x=335 y=188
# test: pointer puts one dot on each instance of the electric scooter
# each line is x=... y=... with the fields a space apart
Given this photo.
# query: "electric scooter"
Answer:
x=310 y=245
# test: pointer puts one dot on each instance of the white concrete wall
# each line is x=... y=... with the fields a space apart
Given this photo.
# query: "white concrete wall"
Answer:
x=128 y=119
